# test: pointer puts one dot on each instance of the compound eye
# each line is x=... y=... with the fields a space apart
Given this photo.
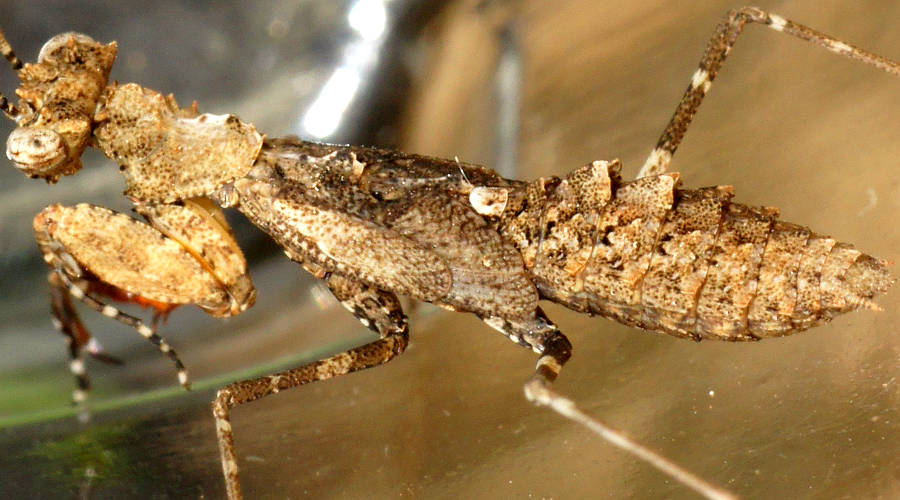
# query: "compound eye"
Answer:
x=35 y=151
x=49 y=50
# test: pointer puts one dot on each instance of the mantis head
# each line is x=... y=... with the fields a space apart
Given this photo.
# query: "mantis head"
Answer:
x=58 y=97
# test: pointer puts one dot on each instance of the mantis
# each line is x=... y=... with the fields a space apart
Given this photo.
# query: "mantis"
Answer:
x=255 y=177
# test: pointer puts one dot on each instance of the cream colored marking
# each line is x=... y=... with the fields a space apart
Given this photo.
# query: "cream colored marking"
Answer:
x=76 y=292
x=778 y=22
x=656 y=163
x=356 y=167
x=77 y=366
x=496 y=323
x=69 y=263
x=273 y=381
x=338 y=365
x=56 y=323
x=838 y=46
x=35 y=149
x=489 y=201
x=365 y=322
x=145 y=331
x=207 y=119
x=514 y=338
x=79 y=396
x=550 y=363
x=94 y=347
x=263 y=190
x=223 y=425
x=109 y=311
x=48 y=258
x=701 y=76
x=164 y=347
x=182 y=377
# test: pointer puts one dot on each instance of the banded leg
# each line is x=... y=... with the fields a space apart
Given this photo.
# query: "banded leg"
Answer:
x=717 y=50
x=97 y=253
x=378 y=310
x=8 y=109
x=88 y=299
x=544 y=338
x=78 y=339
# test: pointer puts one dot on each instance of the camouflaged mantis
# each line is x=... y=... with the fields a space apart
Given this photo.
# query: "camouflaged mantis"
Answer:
x=374 y=224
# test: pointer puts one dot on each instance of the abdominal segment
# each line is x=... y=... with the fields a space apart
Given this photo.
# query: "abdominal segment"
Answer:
x=690 y=263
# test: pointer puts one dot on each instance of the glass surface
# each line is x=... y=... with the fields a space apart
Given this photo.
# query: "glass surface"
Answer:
x=787 y=124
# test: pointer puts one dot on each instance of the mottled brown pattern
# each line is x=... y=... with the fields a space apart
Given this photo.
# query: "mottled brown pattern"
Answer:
x=128 y=255
x=169 y=154
x=338 y=241
x=200 y=228
x=58 y=95
x=688 y=234
x=702 y=267
x=688 y=263
x=374 y=223
x=487 y=273
x=812 y=259
x=376 y=309
x=569 y=227
x=776 y=292
x=375 y=220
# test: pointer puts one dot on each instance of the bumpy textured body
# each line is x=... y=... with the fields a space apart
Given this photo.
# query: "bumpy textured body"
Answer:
x=645 y=253
x=685 y=262
x=374 y=224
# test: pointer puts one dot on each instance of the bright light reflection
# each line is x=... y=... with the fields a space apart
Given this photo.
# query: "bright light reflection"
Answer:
x=324 y=116
x=369 y=19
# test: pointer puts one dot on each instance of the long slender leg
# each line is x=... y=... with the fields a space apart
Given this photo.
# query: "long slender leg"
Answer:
x=112 y=312
x=380 y=311
x=544 y=338
x=70 y=324
x=716 y=52
x=8 y=109
x=66 y=320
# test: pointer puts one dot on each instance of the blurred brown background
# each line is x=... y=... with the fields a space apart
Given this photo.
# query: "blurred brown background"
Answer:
x=552 y=85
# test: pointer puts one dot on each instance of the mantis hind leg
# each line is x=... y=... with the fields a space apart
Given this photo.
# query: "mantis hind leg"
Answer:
x=717 y=50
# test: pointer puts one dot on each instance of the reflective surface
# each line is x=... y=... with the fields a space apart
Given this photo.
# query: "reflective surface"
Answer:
x=787 y=124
